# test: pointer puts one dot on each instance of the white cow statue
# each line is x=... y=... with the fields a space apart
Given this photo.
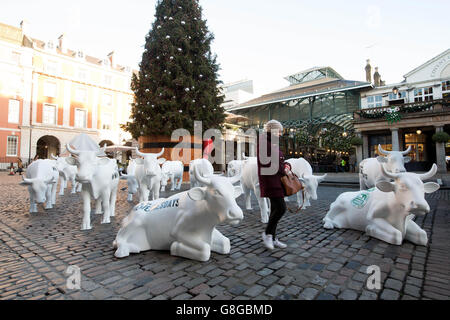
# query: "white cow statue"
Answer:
x=386 y=212
x=66 y=173
x=132 y=181
x=204 y=168
x=149 y=174
x=249 y=183
x=370 y=168
x=99 y=178
x=184 y=223
x=303 y=170
x=173 y=171
x=234 y=168
x=41 y=178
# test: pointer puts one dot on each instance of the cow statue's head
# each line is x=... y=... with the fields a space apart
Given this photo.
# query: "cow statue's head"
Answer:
x=61 y=164
x=38 y=187
x=166 y=174
x=131 y=181
x=311 y=182
x=234 y=168
x=394 y=160
x=220 y=196
x=409 y=189
x=86 y=162
x=150 y=161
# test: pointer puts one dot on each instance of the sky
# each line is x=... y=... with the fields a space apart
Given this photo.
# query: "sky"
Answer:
x=263 y=41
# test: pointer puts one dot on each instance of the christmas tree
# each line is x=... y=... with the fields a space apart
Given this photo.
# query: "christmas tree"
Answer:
x=178 y=76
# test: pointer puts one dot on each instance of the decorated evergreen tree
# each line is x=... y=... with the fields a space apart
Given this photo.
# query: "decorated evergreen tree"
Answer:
x=178 y=76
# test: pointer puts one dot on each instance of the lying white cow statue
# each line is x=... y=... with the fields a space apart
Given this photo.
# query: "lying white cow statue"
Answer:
x=132 y=181
x=303 y=170
x=41 y=178
x=204 y=168
x=100 y=178
x=370 y=169
x=184 y=223
x=66 y=173
x=386 y=212
x=250 y=182
x=173 y=171
x=148 y=174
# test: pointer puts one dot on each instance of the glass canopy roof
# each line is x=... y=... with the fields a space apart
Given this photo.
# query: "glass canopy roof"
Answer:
x=311 y=74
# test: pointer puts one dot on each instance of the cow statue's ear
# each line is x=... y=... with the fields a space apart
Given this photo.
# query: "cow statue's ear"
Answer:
x=196 y=194
x=431 y=187
x=139 y=161
x=71 y=161
x=386 y=186
x=382 y=159
x=103 y=161
x=161 y=160
x=407 y=159
x=237 y=191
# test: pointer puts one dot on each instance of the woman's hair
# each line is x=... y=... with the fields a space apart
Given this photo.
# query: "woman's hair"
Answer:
x=273 y=125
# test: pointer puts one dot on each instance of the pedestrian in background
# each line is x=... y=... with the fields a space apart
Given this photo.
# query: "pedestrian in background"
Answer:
x=270 y=185
x=19 y=166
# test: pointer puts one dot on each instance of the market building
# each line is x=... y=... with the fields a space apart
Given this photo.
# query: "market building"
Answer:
x=50 y=93
x=408 y=113
x=316 y=110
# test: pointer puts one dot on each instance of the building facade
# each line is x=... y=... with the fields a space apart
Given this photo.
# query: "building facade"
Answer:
x=236 y=93
x=49 y=94
x=418 y=107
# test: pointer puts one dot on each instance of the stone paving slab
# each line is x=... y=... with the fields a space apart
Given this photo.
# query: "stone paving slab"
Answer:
x=37 y=249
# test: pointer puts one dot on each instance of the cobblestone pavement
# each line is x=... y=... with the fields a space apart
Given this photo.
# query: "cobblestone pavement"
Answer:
x=35 y=251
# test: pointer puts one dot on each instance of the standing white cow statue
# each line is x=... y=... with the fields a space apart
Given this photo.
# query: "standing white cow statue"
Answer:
x=173 y=171
x=303 y=170
x=99 y=178
x=184 y=223
x=66 y=173
x=148 y=174
x=132 y=181
x=204 y=168
x=249 y=183
x=41 y=178
x=370 y=169
x=386 y=212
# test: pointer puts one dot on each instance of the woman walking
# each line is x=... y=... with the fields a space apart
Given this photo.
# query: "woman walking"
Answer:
x=270 y=184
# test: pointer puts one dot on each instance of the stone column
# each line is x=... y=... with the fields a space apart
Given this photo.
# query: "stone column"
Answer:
x=440 y=154
x=358 y=153
x=395 y=141
x=238 y=148
x=365 y=146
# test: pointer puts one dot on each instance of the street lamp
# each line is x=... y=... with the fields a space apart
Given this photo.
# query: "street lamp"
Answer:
x=395 y=91
x=344 y=134
x=419 y=132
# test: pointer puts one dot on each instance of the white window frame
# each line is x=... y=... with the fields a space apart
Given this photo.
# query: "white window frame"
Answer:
x=55 y=113
x=79 y=98
x=445 y=85
x=13 y=115
x=104 y=102
x=46 y=89
x=16 y=138
x=104 y=116
x=85 y=118
x=422 y=96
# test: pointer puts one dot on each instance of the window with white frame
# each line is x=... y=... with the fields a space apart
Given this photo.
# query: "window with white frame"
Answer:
x=80 y=95
x=51 y=67
x=374 y=101
x=445 y=89
x=400 y=95
x=49 y=114
x=13 y=111
x=107 y=100
x=107 y=119
x=11 y=146
x=107 y=79
x=50 y=89
x=423 y=94
x=80 y=118
x=82 y=75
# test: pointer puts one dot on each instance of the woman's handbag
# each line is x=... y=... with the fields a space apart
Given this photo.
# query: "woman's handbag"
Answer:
x=291 y=183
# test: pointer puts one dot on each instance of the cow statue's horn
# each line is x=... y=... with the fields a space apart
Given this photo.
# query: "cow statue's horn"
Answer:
x=429 y=174
x=27 y=180
x=101 y=151
x=54 y=157
x=160 y=154
x=406 y=151
x=382 y=151
x=388 y=174
x=73 y=151
x=140 y=154
x=244 y=156
x=200 y=178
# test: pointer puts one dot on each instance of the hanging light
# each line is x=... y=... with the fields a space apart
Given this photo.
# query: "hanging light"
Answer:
x=344 y=134
x=395 y=90
x=419 y=131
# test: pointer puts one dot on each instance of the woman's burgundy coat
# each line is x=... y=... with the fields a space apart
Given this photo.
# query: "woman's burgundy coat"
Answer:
x=270 y=185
